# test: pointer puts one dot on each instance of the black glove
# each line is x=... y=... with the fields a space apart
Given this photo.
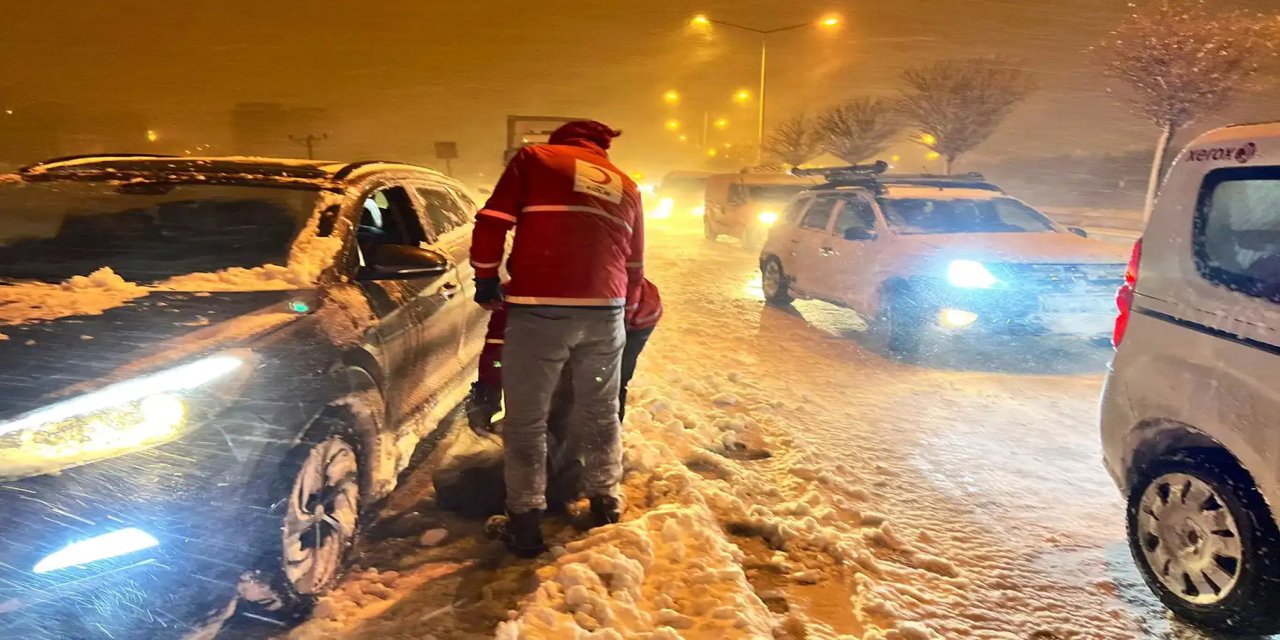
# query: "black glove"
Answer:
x=488 y=290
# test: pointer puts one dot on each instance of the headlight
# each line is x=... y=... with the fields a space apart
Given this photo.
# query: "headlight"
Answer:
x=114 y=420
x=767 y=218
x=699 y=210
x=665 y=207
x=970 y=274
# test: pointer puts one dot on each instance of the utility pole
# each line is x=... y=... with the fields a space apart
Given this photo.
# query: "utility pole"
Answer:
x=309 y=141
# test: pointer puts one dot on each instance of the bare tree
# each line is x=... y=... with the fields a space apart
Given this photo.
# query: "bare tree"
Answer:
x=859 y=128
x=793 y=142
x=957 y=104
x=1181 y=60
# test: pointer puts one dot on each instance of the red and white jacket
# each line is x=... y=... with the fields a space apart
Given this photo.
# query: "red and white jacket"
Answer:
x=579 y=226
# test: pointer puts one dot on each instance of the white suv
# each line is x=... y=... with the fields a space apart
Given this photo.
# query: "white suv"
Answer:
x=952 y=255
x=1189 y=412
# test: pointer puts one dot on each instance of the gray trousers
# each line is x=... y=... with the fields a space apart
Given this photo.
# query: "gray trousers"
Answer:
x=540 y=342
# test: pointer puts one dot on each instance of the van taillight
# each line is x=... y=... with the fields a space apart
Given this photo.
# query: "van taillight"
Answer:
x=1124 y=297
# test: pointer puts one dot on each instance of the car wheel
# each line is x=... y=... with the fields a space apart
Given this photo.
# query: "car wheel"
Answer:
x=774 y=282
x=319 y=517
x=899 y=324
x=1206 y=543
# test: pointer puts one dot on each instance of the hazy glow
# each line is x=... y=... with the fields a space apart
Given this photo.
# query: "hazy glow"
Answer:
x=109 y=545
x=768 y=218
x=970 y=274
x=673 y=125
x=742 y=96
x=671 y=97
x=830 y=21
x=957 y=318
x=700 y=20
x=722 y=123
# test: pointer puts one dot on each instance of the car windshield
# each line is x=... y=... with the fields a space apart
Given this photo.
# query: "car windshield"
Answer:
x=775 y=192
x=148 y=232
x=912 y=216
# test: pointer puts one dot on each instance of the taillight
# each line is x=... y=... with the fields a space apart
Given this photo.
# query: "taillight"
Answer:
x=1124 y=297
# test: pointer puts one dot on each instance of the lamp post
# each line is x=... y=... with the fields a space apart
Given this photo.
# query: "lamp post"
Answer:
x=701 y=21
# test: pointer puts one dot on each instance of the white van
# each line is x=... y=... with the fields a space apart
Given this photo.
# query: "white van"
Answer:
x=1191 y=411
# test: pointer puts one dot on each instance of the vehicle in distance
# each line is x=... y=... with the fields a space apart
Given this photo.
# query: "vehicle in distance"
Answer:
x=950 y=255
x=1188 y=425
x=213 y=368
x=682 y=193
x=746 y=205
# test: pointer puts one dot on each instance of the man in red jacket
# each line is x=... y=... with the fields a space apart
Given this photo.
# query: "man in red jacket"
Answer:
x=578 y=251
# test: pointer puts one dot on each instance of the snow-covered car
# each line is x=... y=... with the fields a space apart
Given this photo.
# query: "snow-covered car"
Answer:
x=953 y=254
x=212 y=369
x=746 y=205
x=1188 y=411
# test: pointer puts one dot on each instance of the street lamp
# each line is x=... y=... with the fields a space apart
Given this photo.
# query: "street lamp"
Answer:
x=671 y=97
x=673 y=125
x=722 y=123
x=742 y=96
x=701 y=21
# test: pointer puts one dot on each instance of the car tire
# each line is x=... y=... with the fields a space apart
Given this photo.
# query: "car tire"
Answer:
x=775 y=283
x=1226 y=534
x=899 y=324
x=318 y=511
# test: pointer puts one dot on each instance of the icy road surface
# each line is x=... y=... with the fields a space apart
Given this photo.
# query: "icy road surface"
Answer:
x=993 y=453
x=960 y=498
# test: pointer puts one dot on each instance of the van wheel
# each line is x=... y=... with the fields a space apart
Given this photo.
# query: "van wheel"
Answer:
x=899 y=324
x=1206 y=543
x=776 y=286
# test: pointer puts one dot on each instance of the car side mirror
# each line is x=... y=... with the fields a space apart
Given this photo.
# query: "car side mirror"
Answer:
x=404 y=262
x=1078 y=231
x=859 y=234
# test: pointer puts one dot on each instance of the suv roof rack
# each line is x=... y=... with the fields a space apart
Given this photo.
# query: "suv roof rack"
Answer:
x=873 y=176
x=88 y=156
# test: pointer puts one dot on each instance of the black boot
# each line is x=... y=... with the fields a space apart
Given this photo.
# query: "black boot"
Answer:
x=524 y=534
x=605 y=510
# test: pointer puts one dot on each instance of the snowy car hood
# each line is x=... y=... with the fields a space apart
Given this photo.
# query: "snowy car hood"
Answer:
x=73 y=354
x=1019 y=248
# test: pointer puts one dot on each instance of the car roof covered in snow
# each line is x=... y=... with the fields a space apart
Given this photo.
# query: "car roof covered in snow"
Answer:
x=318 y=174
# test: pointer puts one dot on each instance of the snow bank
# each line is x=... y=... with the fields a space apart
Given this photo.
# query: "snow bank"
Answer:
x=666 y=575
x=89 y=295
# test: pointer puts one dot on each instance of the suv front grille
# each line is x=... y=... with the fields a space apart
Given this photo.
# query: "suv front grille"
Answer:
x=1081 y=278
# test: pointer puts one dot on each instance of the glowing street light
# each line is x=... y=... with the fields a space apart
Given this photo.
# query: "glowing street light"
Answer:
x=8 y=112
x=673 y=125
x=928 y=139
x=671 y=97
x=152 y=135
x=742 y=96
x=702 y=22
x=684 y=138
x=722 y=123
x=712 y=153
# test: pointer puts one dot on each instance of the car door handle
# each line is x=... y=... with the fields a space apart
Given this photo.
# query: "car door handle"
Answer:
x=826 y=252
x=449 y=289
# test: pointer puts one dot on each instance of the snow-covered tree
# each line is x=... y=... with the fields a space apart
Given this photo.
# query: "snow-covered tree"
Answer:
x=957 y=104
x=1181 y=59
x=858 y=129
x=793 y=142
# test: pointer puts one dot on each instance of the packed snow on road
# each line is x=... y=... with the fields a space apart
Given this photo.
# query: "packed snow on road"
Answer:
x=784 y=480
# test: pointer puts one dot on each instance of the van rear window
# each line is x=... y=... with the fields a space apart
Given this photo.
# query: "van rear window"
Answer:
x=1237 y=230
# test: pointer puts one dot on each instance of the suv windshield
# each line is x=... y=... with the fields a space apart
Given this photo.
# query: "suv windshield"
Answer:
x=145 y=232
x=913 y=216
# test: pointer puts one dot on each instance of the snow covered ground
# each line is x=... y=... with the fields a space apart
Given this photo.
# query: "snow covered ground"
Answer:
x=784 y=481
